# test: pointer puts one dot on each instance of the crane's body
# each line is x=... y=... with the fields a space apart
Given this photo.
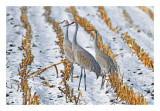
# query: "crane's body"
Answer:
x=67 y=47
x=84 y=58
x=106 y=63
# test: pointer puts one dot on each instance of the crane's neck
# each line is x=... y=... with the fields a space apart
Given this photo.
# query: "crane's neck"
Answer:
x=75 y=34
x=66 y=35
x=95 y=42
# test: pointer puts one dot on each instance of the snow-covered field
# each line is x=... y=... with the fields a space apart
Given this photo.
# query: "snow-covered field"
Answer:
x=46 y=52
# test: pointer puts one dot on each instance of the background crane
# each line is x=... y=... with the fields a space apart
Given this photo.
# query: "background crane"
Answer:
x=106 y=63
x=83 y=58
x=67 y=47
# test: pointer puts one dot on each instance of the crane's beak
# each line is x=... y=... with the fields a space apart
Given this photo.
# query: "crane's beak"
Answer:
x=61 y=22
x=67 y=25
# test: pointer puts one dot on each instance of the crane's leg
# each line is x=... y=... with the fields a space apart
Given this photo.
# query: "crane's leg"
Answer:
x=102 y=79
x=80 y=78
x=72 y=72
x=69 y=73
x=85 y=79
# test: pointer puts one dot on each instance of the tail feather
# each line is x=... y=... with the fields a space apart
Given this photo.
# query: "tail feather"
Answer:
x=97 y=69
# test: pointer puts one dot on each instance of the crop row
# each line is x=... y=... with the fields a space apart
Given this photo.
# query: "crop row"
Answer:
x=143 y=56
x=148 y=11
x=26 y=60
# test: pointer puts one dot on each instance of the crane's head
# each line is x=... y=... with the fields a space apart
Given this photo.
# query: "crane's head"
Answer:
x=64 y=22
x=70 y=24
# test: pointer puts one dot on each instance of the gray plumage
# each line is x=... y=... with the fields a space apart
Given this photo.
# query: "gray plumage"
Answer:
x=67 y=47
x=106 y=63
x=84 y=58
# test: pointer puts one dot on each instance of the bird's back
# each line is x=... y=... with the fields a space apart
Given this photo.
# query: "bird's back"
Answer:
x=105 y=62
x=86 y=60
x=67 y=46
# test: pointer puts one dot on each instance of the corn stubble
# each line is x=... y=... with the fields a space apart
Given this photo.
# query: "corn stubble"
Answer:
x=69 y=93
x=123 y=91
x=107 y=20
x=147 y=11
x=128 y=19
x=143 y=56
x=27 y=60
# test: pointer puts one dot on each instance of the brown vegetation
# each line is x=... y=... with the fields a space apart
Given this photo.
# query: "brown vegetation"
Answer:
x=27 y=60
x=148 y=11
x=143 y=56
x=107 y=20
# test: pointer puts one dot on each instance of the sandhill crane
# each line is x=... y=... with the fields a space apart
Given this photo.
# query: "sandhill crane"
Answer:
x=67 y=47
x=83 y=58
x=106 y=63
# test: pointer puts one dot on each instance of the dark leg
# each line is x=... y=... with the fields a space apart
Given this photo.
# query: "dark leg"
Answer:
x=72 y=72
x=102 y=80
x=80 y=78
x=85 y=79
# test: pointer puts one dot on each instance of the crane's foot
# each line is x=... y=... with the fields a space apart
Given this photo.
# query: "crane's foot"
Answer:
x=102 y=87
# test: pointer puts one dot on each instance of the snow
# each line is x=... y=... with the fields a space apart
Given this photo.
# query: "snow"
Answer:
x=46 y=53
x=151 y=8
x=15 y=33
x=140 y=19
